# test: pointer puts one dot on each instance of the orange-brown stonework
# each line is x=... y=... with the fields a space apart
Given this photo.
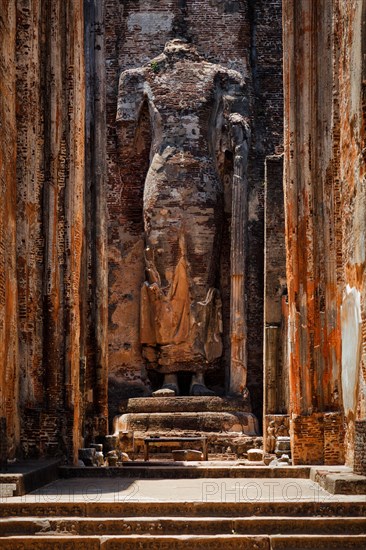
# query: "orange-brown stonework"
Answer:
x=100 y=287
x=46 y=256
x=72 y=228
x=324 y=48
x=9 y=358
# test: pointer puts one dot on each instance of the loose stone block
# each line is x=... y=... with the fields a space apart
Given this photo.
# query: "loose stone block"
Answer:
x=255 y=455
x=87 y=455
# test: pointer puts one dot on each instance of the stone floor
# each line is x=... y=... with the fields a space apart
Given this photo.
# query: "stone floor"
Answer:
x=183 y=490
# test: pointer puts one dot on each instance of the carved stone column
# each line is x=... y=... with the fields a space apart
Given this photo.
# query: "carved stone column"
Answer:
x=238 y=328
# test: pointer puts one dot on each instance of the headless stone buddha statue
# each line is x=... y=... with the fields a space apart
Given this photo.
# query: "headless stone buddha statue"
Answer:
x=197 y=111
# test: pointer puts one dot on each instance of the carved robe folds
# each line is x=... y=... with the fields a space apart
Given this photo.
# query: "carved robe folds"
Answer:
x=176 y=331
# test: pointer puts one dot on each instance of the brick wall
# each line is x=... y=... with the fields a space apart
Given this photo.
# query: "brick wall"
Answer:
x=324 y=69
x=317 y=439
x=333 y=438
x=9 y=364
x=45 y=149
x=307 y=439
x=360 y=448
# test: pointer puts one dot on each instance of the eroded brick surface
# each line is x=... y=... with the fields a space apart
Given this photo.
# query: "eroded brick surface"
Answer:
x=44 y=80
x=62 y=166
x=9 y=365
x=360 y=447
x=325 y=213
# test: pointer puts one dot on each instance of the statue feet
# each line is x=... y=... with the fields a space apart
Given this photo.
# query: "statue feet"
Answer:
x=198 y=387
x=169 y=387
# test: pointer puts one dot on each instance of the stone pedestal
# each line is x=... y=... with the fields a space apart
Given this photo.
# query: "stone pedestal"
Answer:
x=283 y=446
x=224 y=421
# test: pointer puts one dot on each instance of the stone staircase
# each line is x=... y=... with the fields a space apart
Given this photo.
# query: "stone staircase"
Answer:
x=66 y=516
x=181 y=525
x=7 y=489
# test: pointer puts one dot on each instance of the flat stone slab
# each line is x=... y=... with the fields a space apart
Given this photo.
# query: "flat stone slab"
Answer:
x=346 y=484
x=61 y=542
x=215 y=438
x=28 y=475
x=255 y=455
x=184 y=404
x=183 y=470
x=92 y=503
x=193 y=542
x=184 y=526
x=314 y=542
x=339 y=482
x=238 y=422
x=132 y=542
x=146 y=495
x=189 y=455
x=214 y=542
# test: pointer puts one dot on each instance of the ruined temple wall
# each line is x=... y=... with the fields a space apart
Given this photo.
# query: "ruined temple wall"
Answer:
x=324 y=195
x=310 y=196
x=351 y=38
x=9 y=371
x=50 y=173
x=266 y=67
x=30 y=182
x=95 y=306
x=42 y=224
x=246 y=36
x=61 y=63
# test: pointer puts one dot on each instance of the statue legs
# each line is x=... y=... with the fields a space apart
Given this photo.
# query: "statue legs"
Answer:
x=198 y=386
x=170 y=383
x=180 y=316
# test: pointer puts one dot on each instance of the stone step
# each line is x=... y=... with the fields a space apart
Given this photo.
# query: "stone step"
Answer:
x=238 y=422
x=51 y=505
x=28 y=475
x=339 y=483
x=32 y=526
x=171 y=470
x=314 y=542
x=8 y=490
x=193 y=542
x=183 y=404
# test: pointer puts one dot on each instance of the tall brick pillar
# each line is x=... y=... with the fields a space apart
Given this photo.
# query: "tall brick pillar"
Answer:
x=9 y=368
x=310 y=200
